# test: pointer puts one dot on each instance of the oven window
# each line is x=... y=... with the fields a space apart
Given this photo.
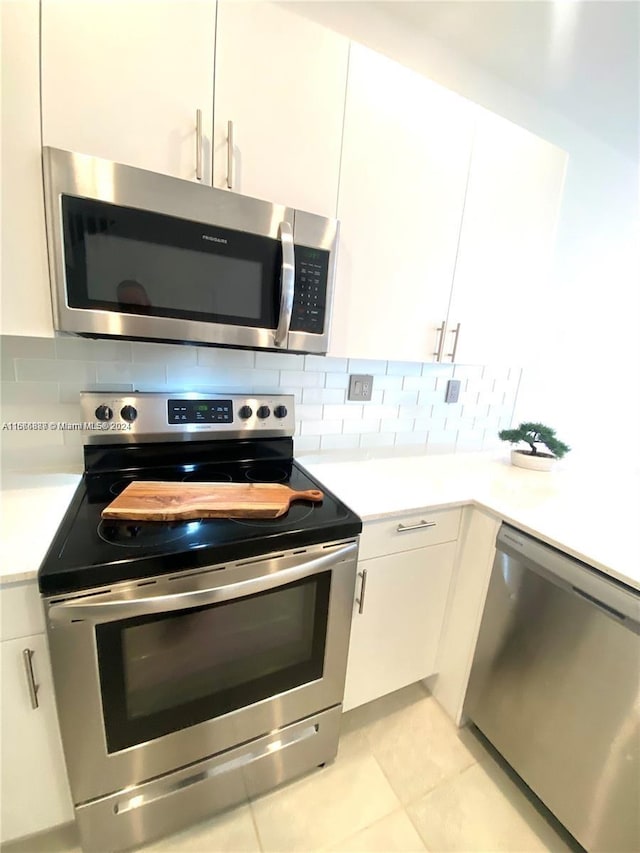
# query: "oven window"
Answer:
x=140 y=262
x=163 y=673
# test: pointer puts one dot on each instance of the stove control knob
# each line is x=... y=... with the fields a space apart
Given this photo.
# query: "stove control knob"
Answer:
x=280 y=411
x=264 y=412
x=245 y=412
x=104 y=413
x=129 y=413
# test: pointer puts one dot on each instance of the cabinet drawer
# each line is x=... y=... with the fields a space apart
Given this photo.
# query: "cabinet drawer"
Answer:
x=21 y=610
x=405 y=532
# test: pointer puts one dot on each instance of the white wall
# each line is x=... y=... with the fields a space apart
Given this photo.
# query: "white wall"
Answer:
x=588 y=379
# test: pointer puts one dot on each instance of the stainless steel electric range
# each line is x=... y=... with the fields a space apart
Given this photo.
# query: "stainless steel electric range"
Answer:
x=195 y=663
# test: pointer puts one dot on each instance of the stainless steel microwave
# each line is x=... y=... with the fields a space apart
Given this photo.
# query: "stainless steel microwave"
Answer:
x=135 y=254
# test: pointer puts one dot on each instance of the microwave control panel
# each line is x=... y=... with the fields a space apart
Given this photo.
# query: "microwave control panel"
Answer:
x=310 y=299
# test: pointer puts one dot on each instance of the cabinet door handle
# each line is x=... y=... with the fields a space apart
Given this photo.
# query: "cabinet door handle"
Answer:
x=402 y=528
x=27 y=659
x=363 y=589
x=441 y=330
x=230 y=155
x=198 y=145
x=456 y=332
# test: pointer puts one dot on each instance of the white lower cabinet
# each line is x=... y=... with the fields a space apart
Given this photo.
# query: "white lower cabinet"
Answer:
x=399 y=605
x=35 y=791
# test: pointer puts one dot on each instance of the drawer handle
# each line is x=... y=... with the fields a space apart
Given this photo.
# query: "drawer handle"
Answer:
x=27 y=659
x=422 y=525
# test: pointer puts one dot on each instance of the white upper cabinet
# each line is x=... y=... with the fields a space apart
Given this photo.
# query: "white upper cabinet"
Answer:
x=506 y=244
x=24 y=283
x=124 y=79
x=405 y=159
x=280 y=80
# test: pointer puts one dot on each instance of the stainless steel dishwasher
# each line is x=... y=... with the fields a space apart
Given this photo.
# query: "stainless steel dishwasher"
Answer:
x=555 y=687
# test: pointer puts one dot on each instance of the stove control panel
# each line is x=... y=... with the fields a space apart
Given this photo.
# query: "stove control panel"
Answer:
x=153 y=416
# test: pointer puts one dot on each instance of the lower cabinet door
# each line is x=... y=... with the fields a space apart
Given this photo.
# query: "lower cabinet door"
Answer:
x=35 y=791
x=398 y=613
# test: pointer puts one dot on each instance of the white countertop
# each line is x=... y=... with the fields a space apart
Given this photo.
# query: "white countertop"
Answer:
x=31 y=508
x=591 y=515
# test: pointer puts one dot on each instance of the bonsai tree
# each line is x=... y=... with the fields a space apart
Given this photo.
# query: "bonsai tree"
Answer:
x=534 y=434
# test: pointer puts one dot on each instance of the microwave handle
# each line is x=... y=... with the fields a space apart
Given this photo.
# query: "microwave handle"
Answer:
x=287 y=284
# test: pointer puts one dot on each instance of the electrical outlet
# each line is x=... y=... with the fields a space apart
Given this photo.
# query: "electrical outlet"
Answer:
x=360 y=387
x=453 y=391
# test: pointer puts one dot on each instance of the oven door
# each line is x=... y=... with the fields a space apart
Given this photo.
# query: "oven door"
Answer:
x=139 y=255
x=155 y=675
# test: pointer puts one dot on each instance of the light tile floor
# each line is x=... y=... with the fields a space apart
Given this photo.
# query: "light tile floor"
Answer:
x=405 y=779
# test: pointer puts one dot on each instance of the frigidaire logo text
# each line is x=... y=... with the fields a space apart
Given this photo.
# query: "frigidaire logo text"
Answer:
x=213 y=239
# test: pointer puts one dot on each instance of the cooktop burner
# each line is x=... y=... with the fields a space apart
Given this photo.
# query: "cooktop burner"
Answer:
x=266 y=474
x=141 y=534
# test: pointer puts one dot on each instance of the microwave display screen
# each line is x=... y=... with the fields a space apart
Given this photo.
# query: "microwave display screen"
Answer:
x=140 y=262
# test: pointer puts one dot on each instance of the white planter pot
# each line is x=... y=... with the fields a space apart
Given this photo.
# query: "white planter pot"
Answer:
x=535 y=463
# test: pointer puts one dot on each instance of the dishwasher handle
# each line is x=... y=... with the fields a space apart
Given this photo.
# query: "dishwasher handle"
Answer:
x=607 y=594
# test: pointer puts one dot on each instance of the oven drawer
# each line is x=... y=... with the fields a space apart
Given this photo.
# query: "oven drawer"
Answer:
x=406 y=532
x=179 y=799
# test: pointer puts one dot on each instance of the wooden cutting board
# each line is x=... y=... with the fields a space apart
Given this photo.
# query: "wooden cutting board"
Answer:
x=164 y=501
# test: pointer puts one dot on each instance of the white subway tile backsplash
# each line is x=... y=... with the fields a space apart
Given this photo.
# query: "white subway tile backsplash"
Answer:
x=128 y=372
x=404 y=368
x=365 y=425
x=339 y=442
x=467 y=371
x=430 y=423
x=306 y=412
x=469 y=440
x=414 y=411
x=437 y=370
x=14 y=346
x=348 y=411
x=323 y=395
x=43 y=370
x=380 y=411
x=325 y=364
x=365 y=365
x=498 y=371
x=340 y=380
x=388 y=383
x=279 y=361
x=225 y=358
x=316 y=427
x=400 y=398
x=407 y=409
x=419 y=383
x=79 y=349
x=24 y=393
x=430 y=398
x=306 y=443
x=491 y=398
x=396 y=425
x=377 y=439
x=302 y=379
x=164 y=353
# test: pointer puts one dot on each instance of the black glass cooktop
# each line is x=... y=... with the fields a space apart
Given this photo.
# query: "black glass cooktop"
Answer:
x=91 y=551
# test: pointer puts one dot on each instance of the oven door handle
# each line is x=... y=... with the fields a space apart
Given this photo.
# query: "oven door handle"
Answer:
x=111 y=606
x=287 y=284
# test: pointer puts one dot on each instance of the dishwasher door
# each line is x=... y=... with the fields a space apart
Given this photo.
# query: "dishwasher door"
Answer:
x=555 y=687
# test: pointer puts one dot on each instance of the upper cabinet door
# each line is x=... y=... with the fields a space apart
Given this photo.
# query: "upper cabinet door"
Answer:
x=25 y=301
x=506 y=244
x=124 y=79
x=405 y=160
x=280 y=81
